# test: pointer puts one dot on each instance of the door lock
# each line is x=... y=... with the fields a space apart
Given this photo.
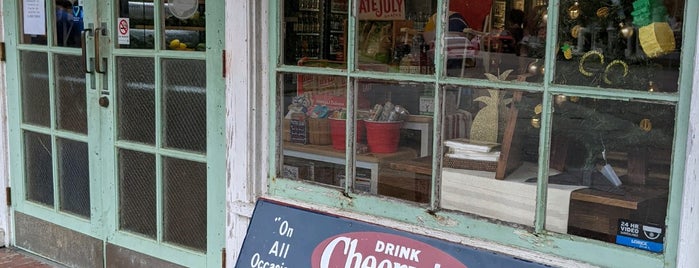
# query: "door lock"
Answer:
x=104 y=101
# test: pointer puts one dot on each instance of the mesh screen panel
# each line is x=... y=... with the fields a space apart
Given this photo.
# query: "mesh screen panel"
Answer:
x=184 y=85
x=137 y=205
x=38 y=168
x=70 y=88
x=36 y=108
x=136 y=99
x=184 y=191
x=74 y=177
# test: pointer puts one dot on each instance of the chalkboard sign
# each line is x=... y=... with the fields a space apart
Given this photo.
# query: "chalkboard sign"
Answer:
x=284 y=236
x=299 y=131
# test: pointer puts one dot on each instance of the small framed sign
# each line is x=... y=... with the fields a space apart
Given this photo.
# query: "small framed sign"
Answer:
x=640 y=235
x=299 y=131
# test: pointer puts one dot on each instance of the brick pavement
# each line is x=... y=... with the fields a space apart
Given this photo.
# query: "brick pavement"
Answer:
x=13 y=258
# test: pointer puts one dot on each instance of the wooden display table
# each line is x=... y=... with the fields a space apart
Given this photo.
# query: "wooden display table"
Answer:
x=415 y=188
x=325 y=153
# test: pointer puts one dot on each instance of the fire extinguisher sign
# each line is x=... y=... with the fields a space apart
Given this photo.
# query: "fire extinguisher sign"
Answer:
x=640 y=235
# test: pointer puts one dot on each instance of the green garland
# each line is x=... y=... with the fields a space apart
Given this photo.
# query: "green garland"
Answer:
x=646 y=12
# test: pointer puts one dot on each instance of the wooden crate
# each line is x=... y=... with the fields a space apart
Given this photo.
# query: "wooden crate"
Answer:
x=318 y=131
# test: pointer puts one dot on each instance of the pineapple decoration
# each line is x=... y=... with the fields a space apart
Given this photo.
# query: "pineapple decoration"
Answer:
x=486 y=124
x=567 y=51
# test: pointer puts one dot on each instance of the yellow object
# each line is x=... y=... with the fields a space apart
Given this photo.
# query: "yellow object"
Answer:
x=656 y=39
x=432 y=22
x=183 y=46
x=175 y=44
x=609 y=67
x=646 y=125
x=581 y=65
x=575 y=31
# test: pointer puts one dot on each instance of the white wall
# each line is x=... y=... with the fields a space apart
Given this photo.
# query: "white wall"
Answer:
x=4 y=161
x=689 y=228
x=246 y=131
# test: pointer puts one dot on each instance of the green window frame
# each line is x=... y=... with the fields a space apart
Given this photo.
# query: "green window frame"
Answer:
x=429 y=216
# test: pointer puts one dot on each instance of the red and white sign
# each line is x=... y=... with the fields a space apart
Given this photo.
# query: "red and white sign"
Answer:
x=374 y=249
x=382 y=9
x=123 y=31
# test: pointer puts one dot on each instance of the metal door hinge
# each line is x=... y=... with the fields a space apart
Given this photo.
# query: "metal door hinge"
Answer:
x=8 y=196
x=223 y=257
x=223 y=57
x=2 y=51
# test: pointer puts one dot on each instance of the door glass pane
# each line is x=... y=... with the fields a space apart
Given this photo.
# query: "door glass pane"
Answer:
x=633 y=45
x=38 y=168
x=140 y=22
x=184 y=219
x=136 y=99
x=315 y=33
x=33 y=22
x=137 y=205
x=70 y=87
x=184 y=89
x=69 y=23
x=36 y=108
x=618 y=155
x=490 y=162
x=74 y=177
x=185 y=25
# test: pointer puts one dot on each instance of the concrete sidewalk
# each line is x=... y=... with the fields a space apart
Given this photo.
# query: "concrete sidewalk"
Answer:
x=14 y=258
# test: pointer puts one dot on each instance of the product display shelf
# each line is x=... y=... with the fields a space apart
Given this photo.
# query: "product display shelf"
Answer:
x=325 y=153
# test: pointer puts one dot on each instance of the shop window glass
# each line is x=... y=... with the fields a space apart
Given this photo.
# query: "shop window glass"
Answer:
x=396 y=36
x=627 y=45
x=512 y=37
x=315 y=33
x=472 y=147
x=618 y=154
x=491 y=140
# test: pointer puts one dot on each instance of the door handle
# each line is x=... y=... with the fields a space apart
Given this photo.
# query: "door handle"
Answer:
x=83 y=41
x=98 y=58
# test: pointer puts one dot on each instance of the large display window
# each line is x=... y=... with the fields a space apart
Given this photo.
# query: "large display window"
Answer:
x=561 y=120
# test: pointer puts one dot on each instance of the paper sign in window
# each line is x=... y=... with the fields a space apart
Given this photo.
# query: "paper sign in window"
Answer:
x=34 y=17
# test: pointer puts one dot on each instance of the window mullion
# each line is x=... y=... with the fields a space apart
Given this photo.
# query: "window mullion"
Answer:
x=546 y=120
x=351 y=92
x=439 y=64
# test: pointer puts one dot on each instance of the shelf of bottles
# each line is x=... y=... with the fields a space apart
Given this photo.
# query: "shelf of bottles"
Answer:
x=336 y=22
x=307 y=30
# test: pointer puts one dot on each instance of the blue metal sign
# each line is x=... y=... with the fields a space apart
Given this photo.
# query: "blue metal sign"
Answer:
x=282 y=236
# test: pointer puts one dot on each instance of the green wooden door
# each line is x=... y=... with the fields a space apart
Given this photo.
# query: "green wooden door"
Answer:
x=109 y=123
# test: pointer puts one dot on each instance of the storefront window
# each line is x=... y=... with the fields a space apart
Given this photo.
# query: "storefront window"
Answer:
x=545 y=119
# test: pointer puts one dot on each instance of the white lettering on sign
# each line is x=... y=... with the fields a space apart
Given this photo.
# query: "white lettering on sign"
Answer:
x=382 y=10
x=355 y=259
x=257 y=262
x=397 y=251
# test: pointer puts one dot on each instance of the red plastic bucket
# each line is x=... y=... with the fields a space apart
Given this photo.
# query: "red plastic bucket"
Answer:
x=383 y=137
x=337 y=133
